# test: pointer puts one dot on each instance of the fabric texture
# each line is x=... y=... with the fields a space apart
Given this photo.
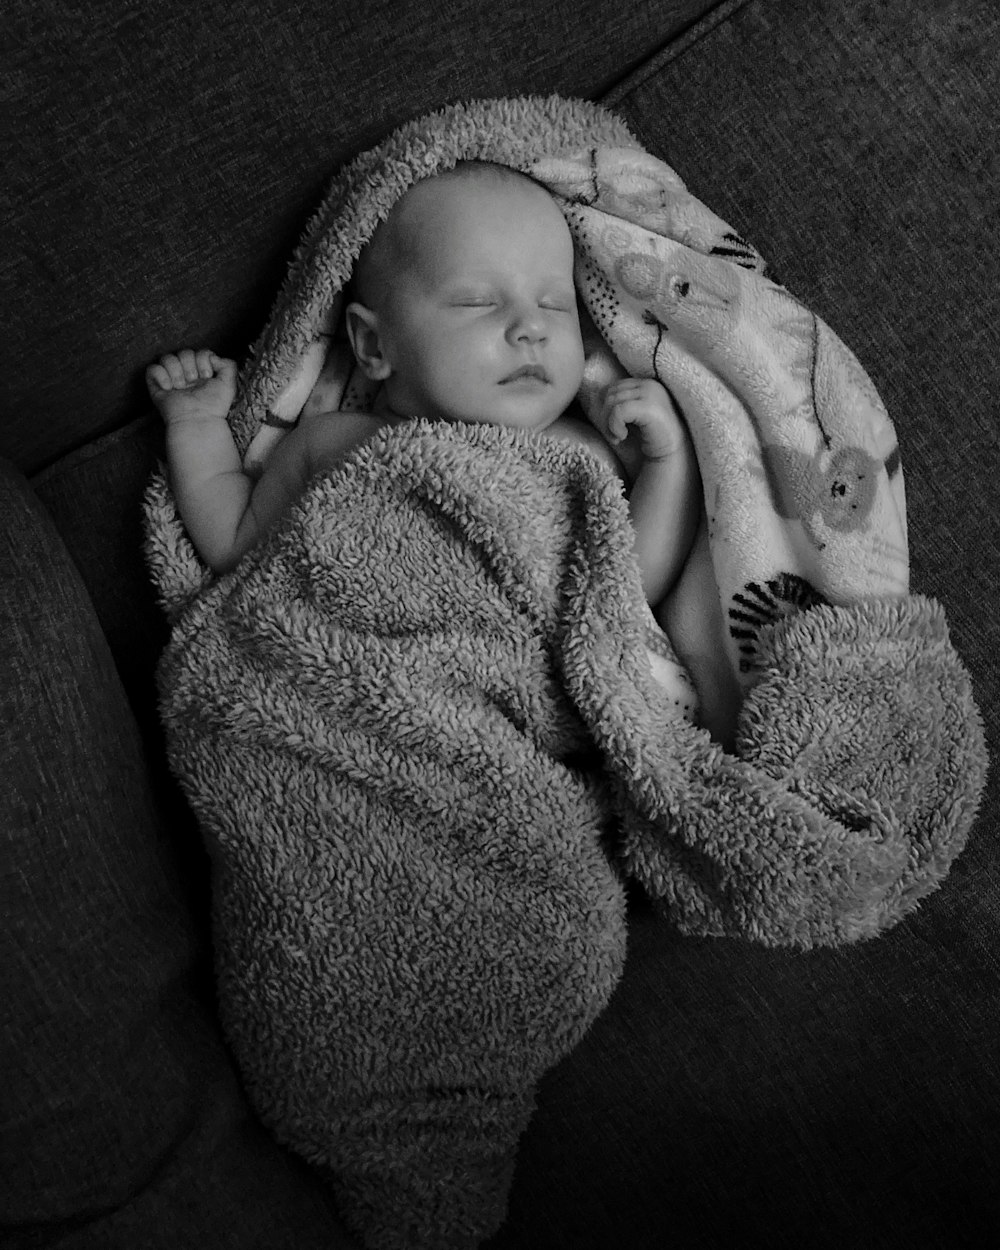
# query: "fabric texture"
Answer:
x=799 y=462
x=414 y=913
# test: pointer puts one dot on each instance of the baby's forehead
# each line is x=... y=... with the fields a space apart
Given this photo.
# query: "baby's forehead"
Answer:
x=465 y=193
x=419 y=232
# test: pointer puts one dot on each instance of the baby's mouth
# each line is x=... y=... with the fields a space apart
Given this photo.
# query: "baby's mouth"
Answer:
x=537 y=372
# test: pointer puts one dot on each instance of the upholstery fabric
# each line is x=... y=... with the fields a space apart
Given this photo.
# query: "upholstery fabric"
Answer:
x=169 y=215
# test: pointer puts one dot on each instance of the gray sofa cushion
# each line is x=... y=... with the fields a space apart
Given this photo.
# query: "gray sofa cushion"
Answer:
x=122 y=1124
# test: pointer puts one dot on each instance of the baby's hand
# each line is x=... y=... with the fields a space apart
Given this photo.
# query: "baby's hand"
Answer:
x=192 y=385
x=645 y=404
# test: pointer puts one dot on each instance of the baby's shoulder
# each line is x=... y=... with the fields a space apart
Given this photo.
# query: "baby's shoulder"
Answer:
x=577 y=430
x=329 y=436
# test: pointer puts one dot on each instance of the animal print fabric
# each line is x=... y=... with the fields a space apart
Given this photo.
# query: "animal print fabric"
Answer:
x=803 y=486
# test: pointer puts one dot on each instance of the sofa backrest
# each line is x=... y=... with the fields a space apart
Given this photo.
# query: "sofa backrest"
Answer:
x=161 y=161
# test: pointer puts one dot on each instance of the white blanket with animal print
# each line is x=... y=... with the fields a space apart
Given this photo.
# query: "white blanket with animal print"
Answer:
x=803 y=491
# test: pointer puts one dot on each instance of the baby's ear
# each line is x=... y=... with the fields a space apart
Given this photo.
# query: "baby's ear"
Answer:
x=366 y=341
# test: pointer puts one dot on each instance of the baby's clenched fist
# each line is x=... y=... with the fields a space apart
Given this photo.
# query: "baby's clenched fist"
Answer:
x=644 y=404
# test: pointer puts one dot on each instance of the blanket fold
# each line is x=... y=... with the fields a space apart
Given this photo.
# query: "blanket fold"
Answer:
x=423 y=729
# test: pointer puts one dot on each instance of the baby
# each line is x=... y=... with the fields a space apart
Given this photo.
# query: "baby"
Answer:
x=465 y=310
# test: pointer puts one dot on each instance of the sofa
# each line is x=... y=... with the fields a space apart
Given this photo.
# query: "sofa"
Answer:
x=160 y=162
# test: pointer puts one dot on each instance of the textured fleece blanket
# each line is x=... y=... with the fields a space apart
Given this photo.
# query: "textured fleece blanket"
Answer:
x=420 y=724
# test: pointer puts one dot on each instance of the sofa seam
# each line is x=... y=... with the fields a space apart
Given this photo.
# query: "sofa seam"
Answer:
x=93 y=449
x=675 y=48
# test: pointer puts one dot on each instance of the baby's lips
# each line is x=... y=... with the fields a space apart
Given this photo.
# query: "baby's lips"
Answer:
x=527 y=371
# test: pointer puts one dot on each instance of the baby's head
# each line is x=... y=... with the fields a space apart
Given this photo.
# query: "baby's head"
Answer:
x=465 y=306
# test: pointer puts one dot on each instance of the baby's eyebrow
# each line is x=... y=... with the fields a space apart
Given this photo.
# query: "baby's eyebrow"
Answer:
x=542 y=282
x=457 y=290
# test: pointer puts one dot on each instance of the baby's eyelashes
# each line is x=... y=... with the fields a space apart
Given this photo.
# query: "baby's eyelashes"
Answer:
x=546 y=303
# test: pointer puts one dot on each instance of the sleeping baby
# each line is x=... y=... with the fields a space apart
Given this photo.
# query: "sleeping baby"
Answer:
x=465 y=310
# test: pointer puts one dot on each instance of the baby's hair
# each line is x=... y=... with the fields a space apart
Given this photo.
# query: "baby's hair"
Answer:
x=369 y=269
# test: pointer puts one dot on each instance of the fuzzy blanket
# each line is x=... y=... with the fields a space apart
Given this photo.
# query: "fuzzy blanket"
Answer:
x=421 y=728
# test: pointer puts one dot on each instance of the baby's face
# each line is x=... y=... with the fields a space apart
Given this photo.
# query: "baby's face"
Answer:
x=481 y=323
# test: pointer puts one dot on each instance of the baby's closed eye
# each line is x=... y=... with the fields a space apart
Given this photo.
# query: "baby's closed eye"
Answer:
x=563 y=302
x=471 y=297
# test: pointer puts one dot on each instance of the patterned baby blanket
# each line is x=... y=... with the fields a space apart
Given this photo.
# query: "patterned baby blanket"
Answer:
x=421 y=728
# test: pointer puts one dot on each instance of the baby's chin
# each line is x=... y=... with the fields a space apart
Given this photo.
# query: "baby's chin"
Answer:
x=522 y=418
x=517 y=416
x=527 y=407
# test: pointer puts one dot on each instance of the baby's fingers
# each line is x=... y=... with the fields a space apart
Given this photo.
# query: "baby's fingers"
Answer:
x=223 y=366
x=617 y=425
x=623 y=389
x=158 y=379
x=189 y=364
x=611 y=418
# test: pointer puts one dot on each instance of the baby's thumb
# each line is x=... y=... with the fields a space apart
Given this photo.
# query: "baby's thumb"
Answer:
x=617 y=427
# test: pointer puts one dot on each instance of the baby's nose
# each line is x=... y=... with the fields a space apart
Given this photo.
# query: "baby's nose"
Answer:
x=527 y=324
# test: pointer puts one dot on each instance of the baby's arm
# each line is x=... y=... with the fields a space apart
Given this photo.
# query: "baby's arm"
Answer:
x=665 y=499
x=194 y=391
x=222 y=509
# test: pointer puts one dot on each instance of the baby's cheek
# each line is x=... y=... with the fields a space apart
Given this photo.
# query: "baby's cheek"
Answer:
x=573 y=364
x=463 y=373
x=475 y=347
x=452 y=357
